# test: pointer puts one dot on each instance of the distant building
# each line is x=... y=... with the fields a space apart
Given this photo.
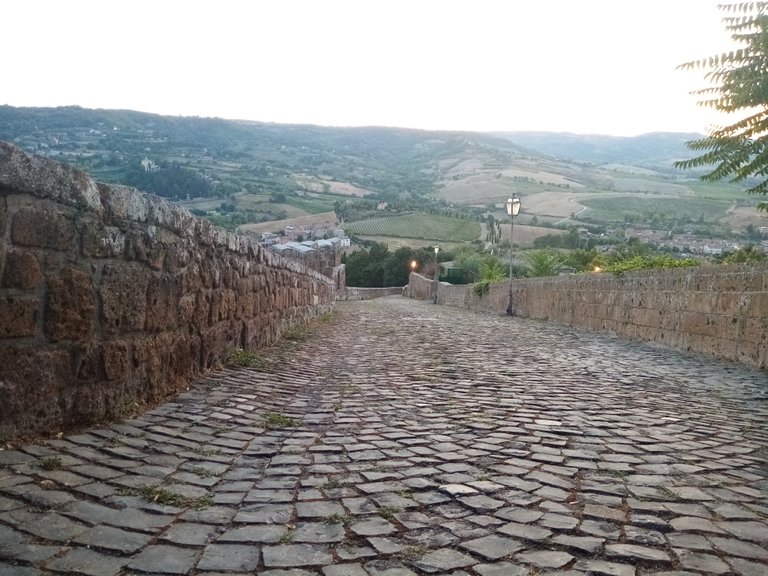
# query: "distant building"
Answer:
x=269 y=238
x=321 y=255
x=149 y=165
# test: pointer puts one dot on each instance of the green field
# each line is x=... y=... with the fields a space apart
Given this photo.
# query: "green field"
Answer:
x=418 y=226
x=614 y=209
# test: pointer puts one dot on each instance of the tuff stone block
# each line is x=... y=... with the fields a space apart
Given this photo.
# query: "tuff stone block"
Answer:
x=69 y=306
x=117 y=359
x=44 y=178
x=31 y=379
x=123 y=294
x=38 y=227
x=18 y=316
x=162 y=303
x=99 y=241
x=22 y=270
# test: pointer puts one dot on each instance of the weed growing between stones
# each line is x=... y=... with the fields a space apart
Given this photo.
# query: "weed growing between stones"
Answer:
x=612 y=472
x=414 y=552
x=208 y=451
x=388 y=512
x=274 y=420
x=298 y=333
x=327 y=317
x=286 y=538
x=667 y=493
x=344 y=519
x=331 y=483
x=115 y=441
x=50 y=463
x=128 y=410
x=201 y=472
x=168 y=498
x=246 y=359
x=125 y=491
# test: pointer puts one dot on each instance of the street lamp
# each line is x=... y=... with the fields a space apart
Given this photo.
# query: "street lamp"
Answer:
x=413 y=266
x=513 y=209
x=437 y=271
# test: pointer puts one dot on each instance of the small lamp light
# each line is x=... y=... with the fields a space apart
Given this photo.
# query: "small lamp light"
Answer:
x=513 y=206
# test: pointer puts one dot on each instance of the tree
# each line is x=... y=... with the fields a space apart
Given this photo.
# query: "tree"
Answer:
x=739 y=81
x=543 y=263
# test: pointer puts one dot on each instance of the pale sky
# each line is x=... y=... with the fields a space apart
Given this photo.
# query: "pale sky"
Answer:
x=585 y=66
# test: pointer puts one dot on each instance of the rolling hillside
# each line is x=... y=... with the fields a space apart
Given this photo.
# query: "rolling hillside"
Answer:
x=258 y=176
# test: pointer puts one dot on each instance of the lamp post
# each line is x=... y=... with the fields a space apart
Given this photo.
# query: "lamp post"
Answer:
x=513 y=209
x=437 y=271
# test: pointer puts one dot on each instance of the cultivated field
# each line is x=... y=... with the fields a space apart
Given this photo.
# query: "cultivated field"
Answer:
x=326 y=219
x=418 y=226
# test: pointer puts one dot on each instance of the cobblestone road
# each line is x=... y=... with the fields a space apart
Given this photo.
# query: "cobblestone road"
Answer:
x=427 y=440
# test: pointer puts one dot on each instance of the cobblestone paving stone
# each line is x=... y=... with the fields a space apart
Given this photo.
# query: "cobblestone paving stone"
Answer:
x=429 y=440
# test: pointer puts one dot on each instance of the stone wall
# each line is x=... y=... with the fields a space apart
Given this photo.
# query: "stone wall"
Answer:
x=109 y=297
x=369 y=293
x=420 y=287
x=721 y=311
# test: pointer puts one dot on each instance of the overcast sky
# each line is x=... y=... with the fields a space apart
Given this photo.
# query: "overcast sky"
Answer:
x=585 y=66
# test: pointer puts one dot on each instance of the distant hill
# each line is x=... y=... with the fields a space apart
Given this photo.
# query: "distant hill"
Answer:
x=238 y=155
x=240 y=173
x=656 y=150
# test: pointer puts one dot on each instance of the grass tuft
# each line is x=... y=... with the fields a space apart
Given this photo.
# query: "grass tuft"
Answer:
x=246 y=359
x=168 y=498
x=274 y=420
x=388 y=512
x=50 y=463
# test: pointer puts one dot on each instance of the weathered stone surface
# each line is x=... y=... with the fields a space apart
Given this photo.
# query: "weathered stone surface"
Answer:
x=295 y=555
x=444 y=559
x=123 y=299
x=229 y=558
x=525 y=532
x=582 y=543
x=700 y=561
x=493 y=547
x=373 y=527
x=100 y=241
x=18 y=316
x=545 y=558
x=69 y=306
x=22 y=270
x=635 y=553
x=750 y=530
x=606 y=568
x=39 y=227
x=113 y=539
x=191 y=534
x=501 y=569
x=164 y=559
x=44 y=178
x=84 y=561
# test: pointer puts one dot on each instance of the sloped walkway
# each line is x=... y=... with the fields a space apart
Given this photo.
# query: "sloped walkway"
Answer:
x=428 y=440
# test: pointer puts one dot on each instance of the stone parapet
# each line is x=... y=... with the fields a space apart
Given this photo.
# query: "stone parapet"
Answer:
x=350 y=293
x=110 y=297
x=721 y=311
